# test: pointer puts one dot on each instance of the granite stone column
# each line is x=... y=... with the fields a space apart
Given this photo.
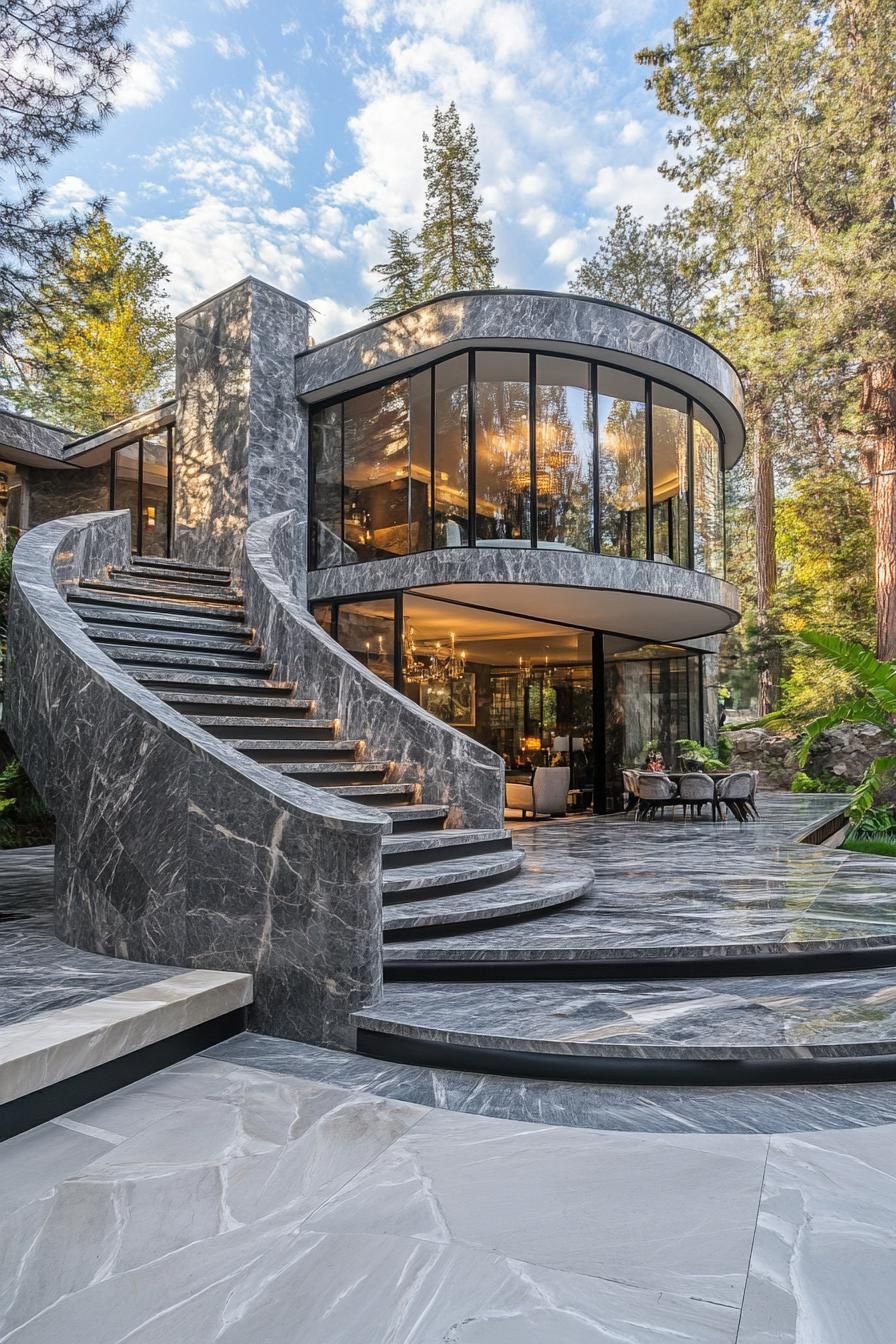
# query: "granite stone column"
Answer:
x=241 y=440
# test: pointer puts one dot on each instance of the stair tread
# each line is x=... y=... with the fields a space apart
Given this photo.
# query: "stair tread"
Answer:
x=137 y=587
x=120 y=601
x=211 y=679
x=328 y=767
x=363 y=791
x=513 y=898
x=190 y=661
x=160 y=561
x=203 y=642
x=234 y=701
x=761 y=1018
x=321 y=745
x=444 y=873
x=161 y=575
x=442 y=839
x=259 y=721
x=98 y=618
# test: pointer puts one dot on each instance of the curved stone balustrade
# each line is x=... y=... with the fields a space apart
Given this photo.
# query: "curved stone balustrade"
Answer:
x=642 y=599
x=173 y=847
x=565 y=323
x=450 y=767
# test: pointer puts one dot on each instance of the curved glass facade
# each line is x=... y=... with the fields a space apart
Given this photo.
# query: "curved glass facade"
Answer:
x=517 y=448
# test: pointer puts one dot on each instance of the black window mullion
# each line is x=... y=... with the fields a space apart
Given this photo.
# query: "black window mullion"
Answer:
x=533 y=492
x=113 y=457
x=724 y=504
x=691 y=550
x=648 y=462
x=342 y=482
x=398 y=641
x=471 y=449
x=140 y=498
x=599 y=726
x=595 y=463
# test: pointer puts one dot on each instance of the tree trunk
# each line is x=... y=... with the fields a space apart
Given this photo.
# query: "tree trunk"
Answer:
x=879 y=411
x=766 y=560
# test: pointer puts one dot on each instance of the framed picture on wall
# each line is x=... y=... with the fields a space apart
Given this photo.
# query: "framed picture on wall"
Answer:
x=453 y=702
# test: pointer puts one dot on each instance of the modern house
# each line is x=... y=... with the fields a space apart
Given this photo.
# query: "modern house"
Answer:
x=355 y=582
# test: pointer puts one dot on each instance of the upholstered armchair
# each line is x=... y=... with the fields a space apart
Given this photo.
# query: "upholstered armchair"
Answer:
x=545 y=794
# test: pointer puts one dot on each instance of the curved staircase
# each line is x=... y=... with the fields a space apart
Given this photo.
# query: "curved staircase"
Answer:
x=181 y=631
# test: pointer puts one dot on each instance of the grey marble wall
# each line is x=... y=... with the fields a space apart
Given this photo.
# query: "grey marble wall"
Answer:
x=450 y=767
x=514 y=315
x=172 y=847
x=56 y=494
x=241 y=440
x=27 y=435
x=630 y=597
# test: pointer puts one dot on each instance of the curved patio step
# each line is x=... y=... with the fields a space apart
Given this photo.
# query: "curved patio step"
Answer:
x=429 y=846
x=836 y=1026
x=406 y=883
x=525 y=894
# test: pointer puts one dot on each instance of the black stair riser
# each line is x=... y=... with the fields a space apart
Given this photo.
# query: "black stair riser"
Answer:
x=296 y=756
x=202 y=646
x=156 y=684
x=153 y=595
x=177 y=576
x=153 y=562
x=137 y=664
x=409 y=826
x=235 y=730
x=107 y=603
x=199 y=708
x=414 y=857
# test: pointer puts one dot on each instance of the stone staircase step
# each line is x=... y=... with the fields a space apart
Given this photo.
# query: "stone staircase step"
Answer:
x=408 y=882
x=425 y=846
x=202 y=642
x=153 y=562
x=332 y=772
x=278 y=752
x=102 y=618
x=131 y=658
x=409 y=818
x=479 y=905
x=264 y=728
x=235 y=705
x=211 y=681
x=114 y=601
x=136 y=587
x=161 y=575
x=376 y=795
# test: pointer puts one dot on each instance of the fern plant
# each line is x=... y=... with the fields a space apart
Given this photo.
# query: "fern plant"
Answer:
x=874 y=702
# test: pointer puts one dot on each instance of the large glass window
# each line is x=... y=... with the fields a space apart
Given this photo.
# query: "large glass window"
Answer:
x=126 y=486
x=411 y=465
x=708 y=520
x=326 y=489
x=450 y=487
x=564 y=452
x=670 y=476
x=622 y=439
x=367 y=630
x=503 y=484
x=141 y=482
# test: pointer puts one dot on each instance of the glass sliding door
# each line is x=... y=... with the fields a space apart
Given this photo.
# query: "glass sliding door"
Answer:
x=376 y=472
x=564 y=452
x=622 y=440
x=154 y=499
x=126 y=487
x=671 y=542
x=503 y=471
x=327 y=548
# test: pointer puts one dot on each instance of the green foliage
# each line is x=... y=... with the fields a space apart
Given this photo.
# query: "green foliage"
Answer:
x=878 y=844
x=23 y=819
x=824 y=782
x=876 y=821
x=457 y=246
x=104 y=344
x=707 y=756
x=653 y=267
x=401 y=276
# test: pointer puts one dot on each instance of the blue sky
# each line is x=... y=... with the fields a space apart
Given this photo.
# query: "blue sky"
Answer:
x=282 y=138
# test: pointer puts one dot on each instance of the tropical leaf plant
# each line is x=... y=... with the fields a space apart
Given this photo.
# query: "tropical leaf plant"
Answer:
x=874 y=702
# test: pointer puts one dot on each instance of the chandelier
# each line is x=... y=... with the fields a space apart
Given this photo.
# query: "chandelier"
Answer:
x=431 y=666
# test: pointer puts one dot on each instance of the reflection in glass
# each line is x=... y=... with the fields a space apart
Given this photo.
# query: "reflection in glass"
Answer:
x=670 y=476
x=367 y=630
x=451 y=490
x=154 y=535
x=419 y=473
x=708 y=524
x=623 y=468
x=126 y=484
x=651 y=699
x=326 y=489
x=564 y=451
x=503 y=500
x=375 y=447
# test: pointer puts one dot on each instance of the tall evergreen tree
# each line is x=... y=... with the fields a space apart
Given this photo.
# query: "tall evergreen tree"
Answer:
x=401 y=274
x=101 y=343
x=654 y=267
x=790 y=139
x=457 y=246
x=60 y=63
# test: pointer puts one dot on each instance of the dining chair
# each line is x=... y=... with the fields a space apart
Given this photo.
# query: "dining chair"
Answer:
x=655 y=792
x=695 y=790
x=734 y=792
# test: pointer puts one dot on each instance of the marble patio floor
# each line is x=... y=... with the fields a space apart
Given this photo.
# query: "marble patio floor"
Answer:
x=222 y=1202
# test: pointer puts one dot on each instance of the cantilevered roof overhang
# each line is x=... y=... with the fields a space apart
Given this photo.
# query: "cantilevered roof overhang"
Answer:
x=31 y=443
x=531 y=320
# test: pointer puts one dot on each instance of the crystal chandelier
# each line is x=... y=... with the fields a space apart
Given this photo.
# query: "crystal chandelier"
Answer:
x=431 y=667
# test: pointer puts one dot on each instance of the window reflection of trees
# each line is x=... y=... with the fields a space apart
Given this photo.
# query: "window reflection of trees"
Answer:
x=623 y=479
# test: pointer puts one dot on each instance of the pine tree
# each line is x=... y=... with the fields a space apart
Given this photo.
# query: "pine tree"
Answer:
x=401 y=273
x=457 y=246
x=653 y=267
x=102 y=343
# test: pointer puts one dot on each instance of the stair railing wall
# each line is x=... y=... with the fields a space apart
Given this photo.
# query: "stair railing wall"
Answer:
x=449 y=767
x=172 y=847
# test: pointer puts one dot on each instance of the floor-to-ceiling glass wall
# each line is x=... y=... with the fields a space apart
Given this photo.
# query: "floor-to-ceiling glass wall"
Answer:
x=141 y=481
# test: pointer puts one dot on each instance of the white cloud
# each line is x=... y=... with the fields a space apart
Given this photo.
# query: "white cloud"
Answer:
x=565 y=249
x=245 y=142
x=69 y=193
x=228 y=48
x=152 y=71
x=332 y=318
x=634 y=184
x=632 y=132
x=541 y=219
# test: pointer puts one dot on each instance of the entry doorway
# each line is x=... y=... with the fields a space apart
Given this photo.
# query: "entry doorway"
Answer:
x=141 y=481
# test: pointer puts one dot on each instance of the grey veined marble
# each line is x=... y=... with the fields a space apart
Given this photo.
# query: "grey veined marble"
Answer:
x=560 y=321
x=172 y=847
